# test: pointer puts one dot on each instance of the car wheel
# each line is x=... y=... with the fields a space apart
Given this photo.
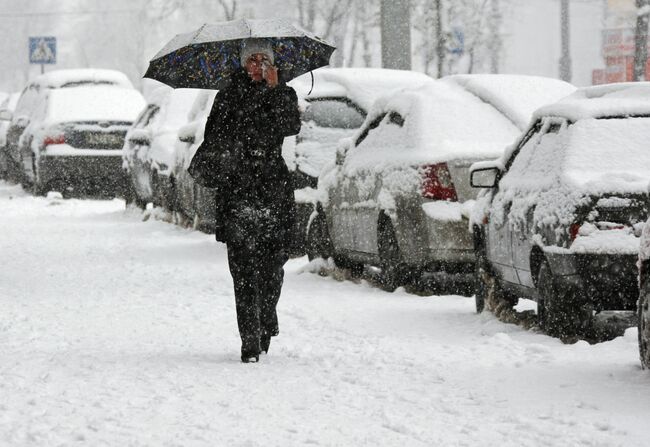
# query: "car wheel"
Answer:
x=38 y=189
x=563 y=314
x=394 y=272
x=644 y=325
x=490 y=295
x=481 y=283
x=319 y=244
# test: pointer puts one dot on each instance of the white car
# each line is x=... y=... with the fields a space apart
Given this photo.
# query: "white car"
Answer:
x=398 y=195
x=33 y=94
x=75 y=137
x=148 y=153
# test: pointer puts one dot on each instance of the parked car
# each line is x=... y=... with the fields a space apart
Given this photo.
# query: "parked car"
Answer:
x=333 y=107
x=75 y=137
x=561 y=218
x=193 y=203
x=7 y=107
x=398 y=196
x=148 y=153
x=33 y=94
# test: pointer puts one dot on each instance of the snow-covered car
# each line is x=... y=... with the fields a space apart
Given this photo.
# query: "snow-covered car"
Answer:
x=7 y=107
x=33 y=93
x=148 y=153
x=398 y=196
x=193 y=203
x=333 y=109
x=561 y=218
x=75 y=137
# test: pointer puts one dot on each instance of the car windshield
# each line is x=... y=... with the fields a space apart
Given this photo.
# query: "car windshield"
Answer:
x=608 y=149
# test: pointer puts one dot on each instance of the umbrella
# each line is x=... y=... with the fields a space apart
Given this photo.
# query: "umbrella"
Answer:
x=207 y=57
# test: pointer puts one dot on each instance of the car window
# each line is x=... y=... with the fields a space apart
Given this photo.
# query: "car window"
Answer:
x=536 y=159
x=372 y=125
x=335 y=113
x=27 y=100
x=40 y=109
x=146 y=117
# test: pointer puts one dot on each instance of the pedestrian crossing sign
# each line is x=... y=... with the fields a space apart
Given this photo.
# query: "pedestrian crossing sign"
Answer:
x=42 y=50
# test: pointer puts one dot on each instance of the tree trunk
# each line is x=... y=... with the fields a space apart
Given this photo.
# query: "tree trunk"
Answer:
x=440 y=38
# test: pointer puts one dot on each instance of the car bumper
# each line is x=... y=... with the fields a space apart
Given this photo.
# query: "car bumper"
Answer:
x=103 y=172
x=449 y=242
x=609 y=282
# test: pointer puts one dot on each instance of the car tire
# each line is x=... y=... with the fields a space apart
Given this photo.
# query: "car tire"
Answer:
x=490 y=295
x=644 y=324
x=394 y=271
x=481 y=292
x=319 y=244
x=38 y=189
x=563 y=314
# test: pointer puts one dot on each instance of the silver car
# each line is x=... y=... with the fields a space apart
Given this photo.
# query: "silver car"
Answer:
x=398 y=196
x=561 y=221
x=148 y=153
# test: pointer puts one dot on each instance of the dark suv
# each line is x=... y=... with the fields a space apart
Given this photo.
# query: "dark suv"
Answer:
x=561 y=220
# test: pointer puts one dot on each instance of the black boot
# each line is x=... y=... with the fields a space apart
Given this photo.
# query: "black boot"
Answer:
x=250 y=358
x=265 y=342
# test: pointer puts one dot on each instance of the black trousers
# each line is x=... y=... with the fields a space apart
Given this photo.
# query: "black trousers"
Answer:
x=257 y=272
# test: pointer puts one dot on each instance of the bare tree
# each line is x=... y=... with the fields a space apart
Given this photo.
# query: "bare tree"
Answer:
x=329 y=19
x=459 y=36
x=229 y=8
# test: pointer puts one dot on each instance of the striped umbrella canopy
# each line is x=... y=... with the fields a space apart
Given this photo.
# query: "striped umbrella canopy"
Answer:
x=208 y=57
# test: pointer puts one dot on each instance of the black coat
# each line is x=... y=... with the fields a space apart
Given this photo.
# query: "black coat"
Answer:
x=254 y=192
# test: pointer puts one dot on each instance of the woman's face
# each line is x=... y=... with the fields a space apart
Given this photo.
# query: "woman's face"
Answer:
x=255 y=66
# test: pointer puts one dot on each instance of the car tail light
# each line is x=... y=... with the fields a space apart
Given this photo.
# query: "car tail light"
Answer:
x=573 y=231
x=437 y=183
x=54 y=139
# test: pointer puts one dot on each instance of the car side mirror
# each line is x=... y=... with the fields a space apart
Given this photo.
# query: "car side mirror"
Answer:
x=187 y=138
x=484 y=177
x=6 y=115
x=340 y=157
x=140 y=137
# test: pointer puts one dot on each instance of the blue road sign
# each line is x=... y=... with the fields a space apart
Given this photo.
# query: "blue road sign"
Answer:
x=42 y=50
x=457 y=45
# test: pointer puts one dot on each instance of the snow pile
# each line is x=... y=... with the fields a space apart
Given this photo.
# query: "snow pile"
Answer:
x=69 y=78
x=611 y=100
x=93 y=103
x=429 y=124
x=121 y=332
x=361 y=85
x=448 y=211
x=516 y=96
x=558 y=171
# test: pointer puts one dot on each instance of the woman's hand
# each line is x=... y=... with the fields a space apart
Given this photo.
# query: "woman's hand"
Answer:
x=270 y=75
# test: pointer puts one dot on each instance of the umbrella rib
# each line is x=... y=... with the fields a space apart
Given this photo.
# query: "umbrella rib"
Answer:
x=198 y=32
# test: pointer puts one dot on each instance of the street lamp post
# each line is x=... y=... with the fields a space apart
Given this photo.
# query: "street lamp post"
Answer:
x=396 y=34
x=641 y=39
x=565 y=60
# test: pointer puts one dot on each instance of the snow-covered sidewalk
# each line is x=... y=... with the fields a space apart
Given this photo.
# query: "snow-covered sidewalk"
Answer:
x=119 y=332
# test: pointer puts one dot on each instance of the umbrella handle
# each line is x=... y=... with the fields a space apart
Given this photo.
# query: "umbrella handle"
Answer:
x=312 y=83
